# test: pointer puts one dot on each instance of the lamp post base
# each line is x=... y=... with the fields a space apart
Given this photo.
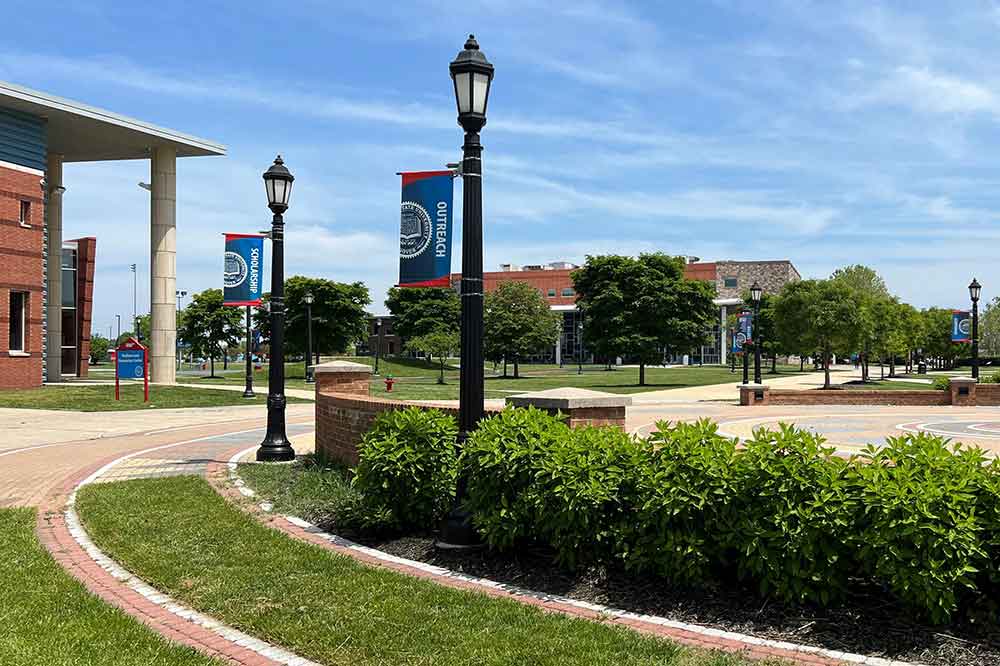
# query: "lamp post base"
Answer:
x=248 y=393
x=457 y=532
x=276 y=450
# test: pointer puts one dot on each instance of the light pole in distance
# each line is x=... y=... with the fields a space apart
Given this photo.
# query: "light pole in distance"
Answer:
x=378 y=341
x=974 y=290
x=579 y=347
x=276 y=447
x=308 y=300
x=755 y=294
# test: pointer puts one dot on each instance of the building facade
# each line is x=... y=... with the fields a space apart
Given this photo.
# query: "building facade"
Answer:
x=46 y=284
x=731 y=279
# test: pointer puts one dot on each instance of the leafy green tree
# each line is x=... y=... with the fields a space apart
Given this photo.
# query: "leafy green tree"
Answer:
x=419 y=311
x=440 y=344
x=818 y=314
x=209 y=326
x=99 y=346
x=517 y=322
x=937 y=342
x=642 y=307
x=863 y=280
x=989 y=329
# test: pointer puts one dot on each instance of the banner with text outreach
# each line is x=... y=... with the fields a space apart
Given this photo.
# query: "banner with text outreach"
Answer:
x=744 y=332
x=961 y=326
x=425 y=229
x=243 y=270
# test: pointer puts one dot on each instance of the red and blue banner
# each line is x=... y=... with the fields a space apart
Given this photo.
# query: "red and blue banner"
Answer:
x=425 y=229
x=243 y=272
x=744 y=332
x=961 y=326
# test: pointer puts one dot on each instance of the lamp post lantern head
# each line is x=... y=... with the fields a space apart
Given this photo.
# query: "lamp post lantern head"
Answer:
x=308 y=298
x=378 y=323
x=755 y=293
x=472 y=74
x=278 y=185
x=974 y=289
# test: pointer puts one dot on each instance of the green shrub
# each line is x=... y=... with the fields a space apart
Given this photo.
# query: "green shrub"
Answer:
x=991 y=378
x=407 y=469
x=924 y=537
x=941 y=383
x=501 y=460
x=684 y=499
x=797 y=504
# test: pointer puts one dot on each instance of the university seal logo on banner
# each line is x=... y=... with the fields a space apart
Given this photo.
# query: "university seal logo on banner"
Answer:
x=235 y=271
x=415 y=230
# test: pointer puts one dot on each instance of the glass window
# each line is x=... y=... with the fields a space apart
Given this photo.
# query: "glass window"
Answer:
x=568 y=291
x=552 y=293
x=18 y=320
x=730 y=282
x=69 y=361
x=25 y=215
x=69 y=327
x=68 y=288
x=68 y=257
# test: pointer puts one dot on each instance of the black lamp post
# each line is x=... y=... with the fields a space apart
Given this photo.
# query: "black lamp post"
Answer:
x=974 y=290
x=579 y=347
x=276 y=447
x=378 y=342
x=308 y=300
x=755 y=294
x=472 y=74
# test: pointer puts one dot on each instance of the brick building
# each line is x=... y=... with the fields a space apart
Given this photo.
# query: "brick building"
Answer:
x=46 y=284
x=731 y=278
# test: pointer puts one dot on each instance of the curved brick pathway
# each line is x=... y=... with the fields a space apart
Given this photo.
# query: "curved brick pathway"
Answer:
x=207 y=450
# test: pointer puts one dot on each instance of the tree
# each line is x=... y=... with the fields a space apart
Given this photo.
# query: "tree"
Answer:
x=145 y=328
x=338 y=311
x=99 y=346
x=863 y=280
x=441 y=344
x=989 y=329
x=423 y=310
x=209 y=326
x=818 y=314
x=642 y=307
x=516 y=322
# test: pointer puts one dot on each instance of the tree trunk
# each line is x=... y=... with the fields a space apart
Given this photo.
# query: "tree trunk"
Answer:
x=802 y=363
x=441 y=375
x=642 y=373
x=225 y=360
x=517 y=370
x=211 y=363
x=774 y=364
x=826 y=369
x=505 y=367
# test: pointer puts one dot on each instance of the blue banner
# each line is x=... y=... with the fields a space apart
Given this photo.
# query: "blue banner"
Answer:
x=244 y=269
x=425 y=229
x=961 y=326
x=743 y=333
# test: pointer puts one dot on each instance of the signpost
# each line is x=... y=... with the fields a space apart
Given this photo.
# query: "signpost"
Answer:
x=132 y=362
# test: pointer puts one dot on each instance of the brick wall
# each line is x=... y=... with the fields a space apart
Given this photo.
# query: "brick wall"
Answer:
x=852 y=397
x=21 y=269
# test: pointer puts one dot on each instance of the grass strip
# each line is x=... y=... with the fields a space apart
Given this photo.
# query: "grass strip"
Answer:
x=101 y=398
x=49 y=618
x=184 y=539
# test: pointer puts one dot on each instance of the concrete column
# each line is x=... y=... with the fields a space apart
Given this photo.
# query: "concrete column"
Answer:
x=53 y=277
x=163 y=264
x=723 y=316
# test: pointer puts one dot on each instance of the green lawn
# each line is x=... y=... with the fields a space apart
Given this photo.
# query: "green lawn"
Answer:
x=101 y=398
x=49 y=618
x=183 y=538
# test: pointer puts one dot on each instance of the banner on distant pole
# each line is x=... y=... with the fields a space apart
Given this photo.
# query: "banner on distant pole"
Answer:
x=744 y=332
x=961 y=326
x=243 y=269
x=425 y=229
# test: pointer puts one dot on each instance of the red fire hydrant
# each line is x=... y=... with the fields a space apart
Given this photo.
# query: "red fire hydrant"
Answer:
x=388 y=383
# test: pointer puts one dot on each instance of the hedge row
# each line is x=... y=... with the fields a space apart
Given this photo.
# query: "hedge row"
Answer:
x=918 y=515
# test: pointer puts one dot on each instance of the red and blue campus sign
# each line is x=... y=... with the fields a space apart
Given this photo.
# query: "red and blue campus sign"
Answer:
x=744 y=332
x=425 y=229
x=243 y=269
x=132 y=362
x=961 y=326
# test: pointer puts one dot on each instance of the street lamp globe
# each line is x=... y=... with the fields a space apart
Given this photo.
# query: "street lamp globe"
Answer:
x=308 y=298
x=974 y=289
x=472 y=74
x=756 y=292
x=278 y=185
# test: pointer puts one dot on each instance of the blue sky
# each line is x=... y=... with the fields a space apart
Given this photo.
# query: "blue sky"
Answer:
x=826 y=133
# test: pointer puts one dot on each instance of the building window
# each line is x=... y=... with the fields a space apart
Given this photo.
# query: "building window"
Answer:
x=25 y=216
x=552 y=293
x=568 y=291
x=18 y=320
x=730 y=282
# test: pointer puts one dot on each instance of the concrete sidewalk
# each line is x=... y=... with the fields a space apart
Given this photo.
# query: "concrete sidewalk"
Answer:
x=730 y=391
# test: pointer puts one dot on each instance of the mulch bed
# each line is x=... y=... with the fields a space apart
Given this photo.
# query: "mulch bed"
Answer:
x=869 y=623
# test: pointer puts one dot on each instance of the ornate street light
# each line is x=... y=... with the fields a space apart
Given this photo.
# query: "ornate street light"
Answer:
x=378 y=341
x=276 y=447
x=579 y=346
x=472 y=75
x=308 y=300
x=755 y=295
x=974 y=290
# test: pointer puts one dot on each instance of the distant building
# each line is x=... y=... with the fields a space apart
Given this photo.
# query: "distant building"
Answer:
x=391 y=343
x=731 y=278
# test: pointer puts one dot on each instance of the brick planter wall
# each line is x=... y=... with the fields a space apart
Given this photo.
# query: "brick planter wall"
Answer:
x=854 y=397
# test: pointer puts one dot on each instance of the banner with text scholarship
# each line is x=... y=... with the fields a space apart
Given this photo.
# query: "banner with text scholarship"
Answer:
x=243 y=270
x=425 y=229
x=961 y=326
x=743 y=333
